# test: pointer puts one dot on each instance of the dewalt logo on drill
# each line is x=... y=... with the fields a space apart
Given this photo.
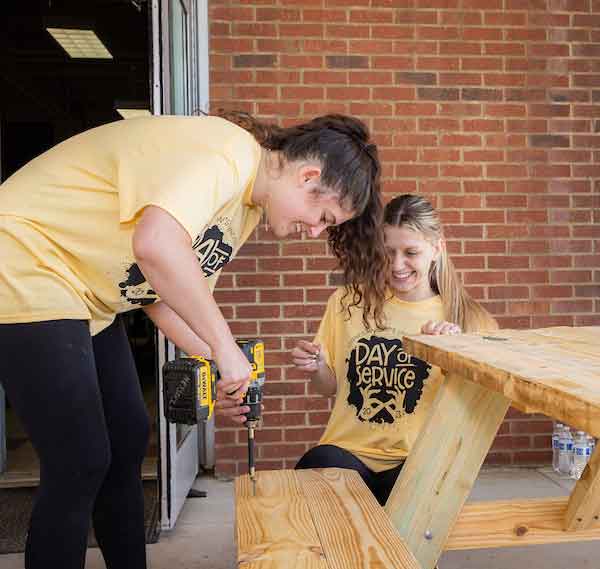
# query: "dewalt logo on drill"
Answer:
x=203 y=385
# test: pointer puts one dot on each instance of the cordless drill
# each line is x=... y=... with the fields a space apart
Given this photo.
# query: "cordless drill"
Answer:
x=190 y=390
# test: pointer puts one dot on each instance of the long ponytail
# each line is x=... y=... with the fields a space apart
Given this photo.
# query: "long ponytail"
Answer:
x=459 y=306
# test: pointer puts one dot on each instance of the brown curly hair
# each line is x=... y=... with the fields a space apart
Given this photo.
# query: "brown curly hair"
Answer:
x=350 y=168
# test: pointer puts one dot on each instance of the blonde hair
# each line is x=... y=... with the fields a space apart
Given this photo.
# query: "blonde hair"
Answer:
x=416 y=213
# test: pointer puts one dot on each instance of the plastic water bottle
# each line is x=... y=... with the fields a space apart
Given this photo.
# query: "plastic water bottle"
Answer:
x=565 y=452
x=581 y=453
x=558 y=427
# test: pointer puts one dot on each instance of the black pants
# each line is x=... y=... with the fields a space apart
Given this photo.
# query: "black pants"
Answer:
x=80 y=401
x=331 y=456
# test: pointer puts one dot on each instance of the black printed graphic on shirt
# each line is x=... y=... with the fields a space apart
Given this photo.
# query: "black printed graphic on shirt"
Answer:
x=386 y=383
x=213 y=254
x=212 y=250
x=135 y=289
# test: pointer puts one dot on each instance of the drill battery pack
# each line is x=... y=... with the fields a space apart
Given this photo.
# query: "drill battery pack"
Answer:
x=189 y=389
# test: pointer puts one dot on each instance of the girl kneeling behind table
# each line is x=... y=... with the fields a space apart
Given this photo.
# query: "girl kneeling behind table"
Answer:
x=382 y=394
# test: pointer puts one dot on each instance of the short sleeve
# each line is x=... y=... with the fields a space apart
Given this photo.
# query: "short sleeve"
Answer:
x=191 y=186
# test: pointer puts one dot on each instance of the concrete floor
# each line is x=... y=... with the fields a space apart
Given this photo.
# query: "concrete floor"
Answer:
x=203 y=538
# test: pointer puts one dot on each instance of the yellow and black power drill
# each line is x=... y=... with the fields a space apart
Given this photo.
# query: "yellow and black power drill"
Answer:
x=190 y=390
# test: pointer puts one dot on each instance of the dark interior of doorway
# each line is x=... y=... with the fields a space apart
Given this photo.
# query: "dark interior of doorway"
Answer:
x=45 y=97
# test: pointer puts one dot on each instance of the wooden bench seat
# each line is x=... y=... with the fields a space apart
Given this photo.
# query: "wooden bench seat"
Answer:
x=314 y=519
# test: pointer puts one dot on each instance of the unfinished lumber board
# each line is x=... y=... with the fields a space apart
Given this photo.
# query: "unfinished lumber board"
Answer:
x=309 y=519
x=582 y=338
x=555 y=371
x=442 y=466
x=354 y=530
x=511 y=523
x=584 y=503
x=274 y=528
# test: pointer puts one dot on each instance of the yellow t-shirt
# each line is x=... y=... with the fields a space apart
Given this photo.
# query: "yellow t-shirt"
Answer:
x=67 y=217
x=383 y=394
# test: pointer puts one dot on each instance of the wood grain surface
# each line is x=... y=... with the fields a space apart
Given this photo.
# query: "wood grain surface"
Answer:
x=583 y=510
x=511 y=523
x=305 y=519
x=554 y=371
x=442 y=466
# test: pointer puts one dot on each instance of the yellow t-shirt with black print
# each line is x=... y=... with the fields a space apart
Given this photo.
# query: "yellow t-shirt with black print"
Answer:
x=67 y=217
x=383 y=394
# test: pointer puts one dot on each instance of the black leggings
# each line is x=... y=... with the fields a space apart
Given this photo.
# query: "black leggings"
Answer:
x=80 y=402
x=331 y=456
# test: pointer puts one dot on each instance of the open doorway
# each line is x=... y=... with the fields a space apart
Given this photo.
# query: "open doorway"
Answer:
x=67 y=66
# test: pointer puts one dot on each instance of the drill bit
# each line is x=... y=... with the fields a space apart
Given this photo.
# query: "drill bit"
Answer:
x=251 y=468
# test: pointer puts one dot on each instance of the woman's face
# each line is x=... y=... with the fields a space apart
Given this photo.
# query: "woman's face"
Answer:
x=296 y=204
x=411 y=255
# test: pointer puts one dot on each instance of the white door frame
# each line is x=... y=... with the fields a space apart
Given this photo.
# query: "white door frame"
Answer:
x=3 y=464
x=179 y=460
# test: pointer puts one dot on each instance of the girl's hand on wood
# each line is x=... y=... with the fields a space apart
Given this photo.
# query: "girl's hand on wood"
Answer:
x=440 y=328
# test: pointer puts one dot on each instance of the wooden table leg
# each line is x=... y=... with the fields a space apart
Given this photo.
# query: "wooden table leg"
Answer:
x=443 y=465
x=584 y=503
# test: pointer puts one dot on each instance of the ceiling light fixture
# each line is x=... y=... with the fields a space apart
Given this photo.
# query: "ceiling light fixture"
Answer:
x=130 y=109
x=133 y=113
x=79 y=43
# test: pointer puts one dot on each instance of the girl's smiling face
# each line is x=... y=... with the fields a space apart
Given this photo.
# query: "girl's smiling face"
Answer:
x=297 y=203
x=411 y=255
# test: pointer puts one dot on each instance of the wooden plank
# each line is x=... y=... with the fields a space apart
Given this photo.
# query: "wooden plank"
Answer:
x=442 y=466
x=555 y=371
x=511 y=523
x=583 y=339
x=353 y=529
x=314 y=519
x=584 y=503
x=274 y=527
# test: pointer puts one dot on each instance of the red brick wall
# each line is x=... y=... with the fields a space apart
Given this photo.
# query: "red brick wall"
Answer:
x=489 y=107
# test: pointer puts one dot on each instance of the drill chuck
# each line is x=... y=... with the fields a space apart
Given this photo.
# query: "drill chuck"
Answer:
x=253 y=399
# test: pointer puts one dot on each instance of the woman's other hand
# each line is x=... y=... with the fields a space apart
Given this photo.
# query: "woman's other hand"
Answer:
x=440 y=328
x=232 y=408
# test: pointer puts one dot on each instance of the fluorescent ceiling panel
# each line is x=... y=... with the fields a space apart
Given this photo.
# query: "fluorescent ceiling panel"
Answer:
x=132 y=113
x=80 y=44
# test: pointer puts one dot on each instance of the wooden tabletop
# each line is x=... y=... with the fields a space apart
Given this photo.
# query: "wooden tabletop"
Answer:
x=554 y=371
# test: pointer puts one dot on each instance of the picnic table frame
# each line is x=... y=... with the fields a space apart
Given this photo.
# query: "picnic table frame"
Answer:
x=554 y=371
